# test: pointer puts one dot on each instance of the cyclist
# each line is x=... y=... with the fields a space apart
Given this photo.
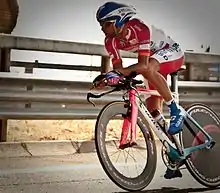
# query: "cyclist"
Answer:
x=158 y=55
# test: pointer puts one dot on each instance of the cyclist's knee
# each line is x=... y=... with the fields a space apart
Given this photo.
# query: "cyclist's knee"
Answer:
x=152 y=67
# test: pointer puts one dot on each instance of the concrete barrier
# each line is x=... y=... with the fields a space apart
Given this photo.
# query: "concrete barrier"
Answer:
x=14 y=149
x=49 y=148
x=45 y=148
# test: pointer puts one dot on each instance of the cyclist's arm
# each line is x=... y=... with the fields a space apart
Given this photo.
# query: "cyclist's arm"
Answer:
x=112 y=49
x=137 y=68
x=144 y=51
x=143 y=35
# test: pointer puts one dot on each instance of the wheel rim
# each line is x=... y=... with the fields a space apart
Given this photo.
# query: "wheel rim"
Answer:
x=129 y=183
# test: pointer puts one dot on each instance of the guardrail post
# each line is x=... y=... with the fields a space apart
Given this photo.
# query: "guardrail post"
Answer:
x=105 y=64
x=5 y=54
x=29 y=69
x=188 y=73
x=3 y=130
x=4 y=67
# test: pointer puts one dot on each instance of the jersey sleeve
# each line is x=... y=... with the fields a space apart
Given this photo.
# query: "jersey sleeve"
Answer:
x=111 y=47
x=143 y=35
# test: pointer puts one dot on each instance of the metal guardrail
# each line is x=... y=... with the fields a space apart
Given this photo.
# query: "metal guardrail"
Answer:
x=36 y=44
x=32 y=97
x=8 y=43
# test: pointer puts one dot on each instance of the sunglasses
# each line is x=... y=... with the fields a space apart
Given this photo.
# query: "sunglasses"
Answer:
x=105 y=24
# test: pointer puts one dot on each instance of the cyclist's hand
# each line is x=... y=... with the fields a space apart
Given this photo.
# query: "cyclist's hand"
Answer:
x=109 y=79
x=99 y=82
x=113 y=77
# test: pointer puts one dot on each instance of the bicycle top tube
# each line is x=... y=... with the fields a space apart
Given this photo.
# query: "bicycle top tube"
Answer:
x=150 y=92
x=147 y=91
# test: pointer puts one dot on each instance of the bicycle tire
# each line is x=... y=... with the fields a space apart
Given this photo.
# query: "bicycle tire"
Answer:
x=129 y=184
x=192 y=168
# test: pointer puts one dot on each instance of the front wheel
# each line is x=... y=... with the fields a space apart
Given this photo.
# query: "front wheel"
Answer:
x=133 y=181
x=203 y=164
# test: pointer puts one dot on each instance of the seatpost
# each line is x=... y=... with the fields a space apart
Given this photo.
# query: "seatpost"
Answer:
x=174 y=85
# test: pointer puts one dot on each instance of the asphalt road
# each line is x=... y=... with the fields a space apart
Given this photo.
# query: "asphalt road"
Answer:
x=79 y=173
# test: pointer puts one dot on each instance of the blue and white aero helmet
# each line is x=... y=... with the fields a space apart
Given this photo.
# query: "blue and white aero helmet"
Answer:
x=115 y=12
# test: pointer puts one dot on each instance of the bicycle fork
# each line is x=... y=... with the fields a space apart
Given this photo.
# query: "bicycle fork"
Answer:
x=130 y=123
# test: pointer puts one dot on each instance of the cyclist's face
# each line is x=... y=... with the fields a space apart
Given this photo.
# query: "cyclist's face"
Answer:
x=108 y=28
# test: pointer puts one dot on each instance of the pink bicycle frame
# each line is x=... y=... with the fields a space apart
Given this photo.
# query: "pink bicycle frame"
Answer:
x=130 y=123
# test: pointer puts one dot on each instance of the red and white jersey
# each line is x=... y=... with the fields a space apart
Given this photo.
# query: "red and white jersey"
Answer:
x=143 y=39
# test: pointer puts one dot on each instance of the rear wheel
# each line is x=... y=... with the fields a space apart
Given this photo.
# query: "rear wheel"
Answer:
x=146 y=150
x=203 y=164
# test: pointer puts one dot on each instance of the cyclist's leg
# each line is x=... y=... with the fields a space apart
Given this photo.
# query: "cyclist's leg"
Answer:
x=170 y=60
x=168 y=65
x=153 y=102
